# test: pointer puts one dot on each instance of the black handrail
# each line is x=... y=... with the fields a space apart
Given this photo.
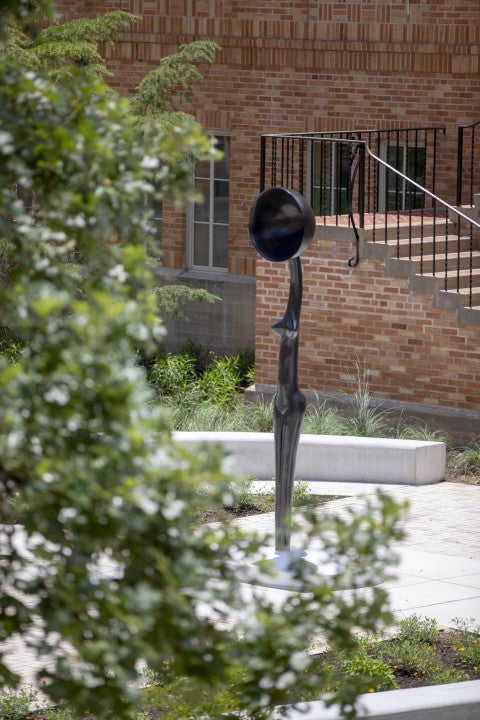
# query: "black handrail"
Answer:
x=368 y=186
x=456 y=241
x=434 y=197
x=376 y=131
x=419 y=141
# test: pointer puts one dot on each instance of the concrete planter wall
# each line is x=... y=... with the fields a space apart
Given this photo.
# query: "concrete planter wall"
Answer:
x=332 y=458
x=456 y=701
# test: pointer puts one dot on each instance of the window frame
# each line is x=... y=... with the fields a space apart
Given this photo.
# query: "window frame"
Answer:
x=191 y=222
x=330 y=198
x=401 y=192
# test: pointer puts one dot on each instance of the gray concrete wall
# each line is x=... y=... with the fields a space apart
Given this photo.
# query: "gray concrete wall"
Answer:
x=226 y=326
x=456 y=701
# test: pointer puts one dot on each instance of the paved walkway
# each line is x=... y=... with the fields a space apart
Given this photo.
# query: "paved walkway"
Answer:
x=439 y=571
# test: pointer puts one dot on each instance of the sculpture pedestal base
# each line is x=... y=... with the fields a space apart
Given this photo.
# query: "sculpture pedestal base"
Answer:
x=287 y=569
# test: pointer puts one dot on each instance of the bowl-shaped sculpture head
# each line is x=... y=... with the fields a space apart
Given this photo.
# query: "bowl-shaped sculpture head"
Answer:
x=281 y=224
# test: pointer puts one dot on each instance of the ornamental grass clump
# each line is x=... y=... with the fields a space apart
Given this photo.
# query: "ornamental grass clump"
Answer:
x=467 y=460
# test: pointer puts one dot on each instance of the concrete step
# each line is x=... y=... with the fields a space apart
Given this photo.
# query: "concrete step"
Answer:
x=428 y=245
x=465 y=295
x=469 y=316
x=405 y=256
x=405 y=228
x=455 y=278
x=470 y=211
x=428 y=263
x=456 y=299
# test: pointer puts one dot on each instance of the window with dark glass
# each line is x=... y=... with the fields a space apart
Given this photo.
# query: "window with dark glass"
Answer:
x=411 y=161
x=209 y=225
x=331 y=174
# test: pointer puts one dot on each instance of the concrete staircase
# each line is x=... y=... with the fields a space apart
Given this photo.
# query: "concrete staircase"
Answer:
x=435 y=257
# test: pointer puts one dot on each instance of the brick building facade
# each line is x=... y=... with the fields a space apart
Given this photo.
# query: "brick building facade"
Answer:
x=309 y=66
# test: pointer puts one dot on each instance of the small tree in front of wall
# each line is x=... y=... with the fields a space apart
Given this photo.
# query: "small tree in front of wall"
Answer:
x=108 y=568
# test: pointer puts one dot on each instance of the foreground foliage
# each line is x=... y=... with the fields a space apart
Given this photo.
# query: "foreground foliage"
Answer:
x=105 y=569
x=418 y=654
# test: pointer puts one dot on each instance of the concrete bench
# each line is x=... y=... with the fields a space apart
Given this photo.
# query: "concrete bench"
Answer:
x=334 y=458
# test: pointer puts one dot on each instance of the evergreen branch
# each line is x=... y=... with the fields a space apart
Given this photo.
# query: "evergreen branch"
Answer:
x=175 y=77
x=59 y=45
x=105 y=28
x=172 y=299
x=55 y=54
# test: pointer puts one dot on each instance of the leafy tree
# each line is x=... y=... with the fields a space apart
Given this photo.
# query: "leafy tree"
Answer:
x=60 y=49
x=107 y=568
x=68 y=51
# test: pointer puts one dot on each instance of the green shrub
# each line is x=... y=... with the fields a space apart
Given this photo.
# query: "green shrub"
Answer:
x=189 y=698
x=423 y=432
x=365 y=420
x=413 y=657
x=19 y=508
x=245 y=362
x=193 y=349
x=64 y=712
x=220 y=382
x=174 y=374
x=466 y=645
x=250 y=376
x=15 y=704
x=11 y=349
x=443 y=676
x=242 y=496
x=324 y=421
x=418 y=629
x=374 y=672
x=258 y=416
x=301 y=494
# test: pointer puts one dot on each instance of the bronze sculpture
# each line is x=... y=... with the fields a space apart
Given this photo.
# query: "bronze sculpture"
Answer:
x=281 y=226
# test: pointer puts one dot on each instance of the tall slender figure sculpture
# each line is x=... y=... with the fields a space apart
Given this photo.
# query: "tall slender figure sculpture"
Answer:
x=290 y=407
x=281 y=226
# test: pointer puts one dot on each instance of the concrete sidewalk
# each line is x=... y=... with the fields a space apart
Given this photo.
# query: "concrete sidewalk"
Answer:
x=439 y=571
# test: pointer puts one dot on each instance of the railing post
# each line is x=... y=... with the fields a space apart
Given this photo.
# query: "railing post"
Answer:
x=356 y=148
x=459 y=165
x=263 y=143
x=361 y=187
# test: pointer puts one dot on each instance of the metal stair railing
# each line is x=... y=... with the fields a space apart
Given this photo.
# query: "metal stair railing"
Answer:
x=348 y=185
x=450 y=235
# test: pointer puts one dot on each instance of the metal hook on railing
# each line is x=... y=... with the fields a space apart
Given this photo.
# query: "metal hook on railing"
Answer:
x=356 y=149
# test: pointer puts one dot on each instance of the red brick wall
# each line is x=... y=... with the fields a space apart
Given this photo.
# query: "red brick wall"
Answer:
x=298 y=66
x=310 y=66
x=412 y=352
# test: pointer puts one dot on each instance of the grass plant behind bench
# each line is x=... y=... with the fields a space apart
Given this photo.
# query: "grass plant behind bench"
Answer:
x=217 y=404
